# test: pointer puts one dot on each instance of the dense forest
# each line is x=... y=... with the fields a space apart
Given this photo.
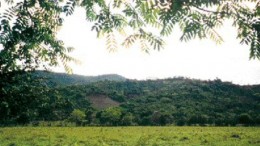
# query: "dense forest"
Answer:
x=49 y=98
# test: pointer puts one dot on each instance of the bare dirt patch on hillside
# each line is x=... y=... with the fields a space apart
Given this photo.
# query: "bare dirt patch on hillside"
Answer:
x=102 y=101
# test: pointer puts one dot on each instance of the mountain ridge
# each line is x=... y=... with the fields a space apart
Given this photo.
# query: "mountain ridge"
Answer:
x=62 y=79
x=77 y=79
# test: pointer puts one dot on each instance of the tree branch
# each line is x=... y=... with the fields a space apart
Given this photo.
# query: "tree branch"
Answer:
x=208 y=11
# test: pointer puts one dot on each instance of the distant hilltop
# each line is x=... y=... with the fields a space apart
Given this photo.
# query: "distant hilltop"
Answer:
x=73 y=79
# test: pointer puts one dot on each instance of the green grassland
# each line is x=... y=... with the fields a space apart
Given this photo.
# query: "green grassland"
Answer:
x=132 y=136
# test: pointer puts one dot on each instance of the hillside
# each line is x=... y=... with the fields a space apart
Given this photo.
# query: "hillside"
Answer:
x=173 y=101
x=180 y=101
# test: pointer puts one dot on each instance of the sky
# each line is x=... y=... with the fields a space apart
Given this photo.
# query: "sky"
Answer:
x=197 y=59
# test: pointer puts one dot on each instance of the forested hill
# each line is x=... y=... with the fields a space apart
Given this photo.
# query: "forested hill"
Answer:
x=173 y=101
x=63 y=79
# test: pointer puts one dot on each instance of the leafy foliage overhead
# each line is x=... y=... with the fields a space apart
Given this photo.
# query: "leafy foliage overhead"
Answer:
x=28 y=27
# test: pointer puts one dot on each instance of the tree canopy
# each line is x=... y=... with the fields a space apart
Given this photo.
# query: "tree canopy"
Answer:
x=28 y=28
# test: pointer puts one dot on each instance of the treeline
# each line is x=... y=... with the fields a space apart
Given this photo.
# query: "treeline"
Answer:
x=176 y=101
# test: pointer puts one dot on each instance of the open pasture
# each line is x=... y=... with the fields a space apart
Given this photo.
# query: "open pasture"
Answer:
x=129 y=136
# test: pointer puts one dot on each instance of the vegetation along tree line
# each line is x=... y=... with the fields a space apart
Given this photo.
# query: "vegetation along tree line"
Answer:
x=114 y=101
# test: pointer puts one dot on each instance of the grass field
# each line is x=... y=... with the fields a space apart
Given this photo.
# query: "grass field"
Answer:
x=129 y=136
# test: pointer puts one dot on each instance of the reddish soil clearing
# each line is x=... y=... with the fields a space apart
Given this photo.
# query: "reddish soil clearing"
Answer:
x=102 y=101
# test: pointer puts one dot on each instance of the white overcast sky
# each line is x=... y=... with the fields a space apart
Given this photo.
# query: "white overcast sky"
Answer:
x=199 y=59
